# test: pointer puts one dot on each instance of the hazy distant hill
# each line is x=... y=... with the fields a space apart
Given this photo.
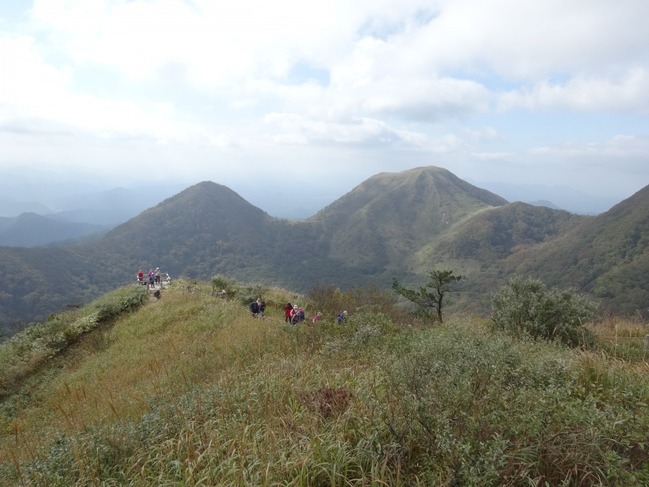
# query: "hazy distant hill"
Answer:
x=32 y=230
x=82 y=204
x=111 y=207
x=10 y=207
x=392 y=225
x=557 y=196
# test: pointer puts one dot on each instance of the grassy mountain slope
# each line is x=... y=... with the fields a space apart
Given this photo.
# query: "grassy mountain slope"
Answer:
x=199 y=231
x=191 y=390
x=480 y=247
x=391 y=215
x=499 y=232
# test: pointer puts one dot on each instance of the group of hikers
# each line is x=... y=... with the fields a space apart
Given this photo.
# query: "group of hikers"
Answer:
x=293 y=314
x=258 y=309
x=151 y=280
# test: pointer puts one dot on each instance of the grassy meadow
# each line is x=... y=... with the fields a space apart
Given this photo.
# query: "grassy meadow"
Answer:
x=191 y=390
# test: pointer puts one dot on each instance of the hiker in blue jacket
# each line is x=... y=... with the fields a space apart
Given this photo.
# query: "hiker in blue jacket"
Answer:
x=254 y=308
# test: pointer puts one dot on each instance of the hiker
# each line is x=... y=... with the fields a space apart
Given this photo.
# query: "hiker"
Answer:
x=288 y=308
x=293 y=315
x=157 y=276
x=342 y=317
x=151 y=279
x=254 y=308
x=316 y=317
x=140 y=277
x=297 y=315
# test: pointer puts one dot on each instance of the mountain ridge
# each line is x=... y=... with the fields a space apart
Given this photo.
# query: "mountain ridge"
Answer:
x=392 y=225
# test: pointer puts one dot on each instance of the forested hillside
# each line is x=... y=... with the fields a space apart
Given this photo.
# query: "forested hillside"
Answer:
x=607 y=256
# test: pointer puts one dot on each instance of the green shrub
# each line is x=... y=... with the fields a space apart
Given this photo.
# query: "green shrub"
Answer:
x=123 y=300
x=528 y=307
x=467 y=408
x=249 y=293
x=429 y=299
x=223 y=283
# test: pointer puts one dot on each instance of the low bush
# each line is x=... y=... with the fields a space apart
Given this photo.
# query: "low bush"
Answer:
x=222 y=283
x=529 y=307
x=471 y=408
x=123 y=300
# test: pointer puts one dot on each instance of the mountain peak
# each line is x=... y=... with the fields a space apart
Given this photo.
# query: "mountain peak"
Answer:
x=414 y=206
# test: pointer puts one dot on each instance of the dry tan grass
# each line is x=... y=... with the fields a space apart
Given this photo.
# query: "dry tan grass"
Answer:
x=154 y=353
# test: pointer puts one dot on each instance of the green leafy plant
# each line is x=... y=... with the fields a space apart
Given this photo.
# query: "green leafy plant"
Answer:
x=473 y=407
x=529 y=307
x=123 y=300
x=222 y=283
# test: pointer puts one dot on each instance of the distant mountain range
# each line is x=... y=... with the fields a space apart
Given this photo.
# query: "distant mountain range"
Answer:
x=77 y=215
x=392 y=225
x=32 y=230
x=559 y=197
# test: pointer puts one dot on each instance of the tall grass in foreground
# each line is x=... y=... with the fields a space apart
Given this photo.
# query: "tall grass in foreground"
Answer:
x=193 y=391
x=623 y=339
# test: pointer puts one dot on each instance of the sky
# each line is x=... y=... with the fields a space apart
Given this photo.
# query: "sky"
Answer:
x=302 y=100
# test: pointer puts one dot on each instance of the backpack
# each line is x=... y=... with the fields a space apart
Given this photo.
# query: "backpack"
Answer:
x=254 y=307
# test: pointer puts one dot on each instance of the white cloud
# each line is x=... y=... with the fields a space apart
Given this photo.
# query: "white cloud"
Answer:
x=534 y=39
x=621 y=148
x=23 y=74
x=297 y=129
x=628 y=92
x=377 y=84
